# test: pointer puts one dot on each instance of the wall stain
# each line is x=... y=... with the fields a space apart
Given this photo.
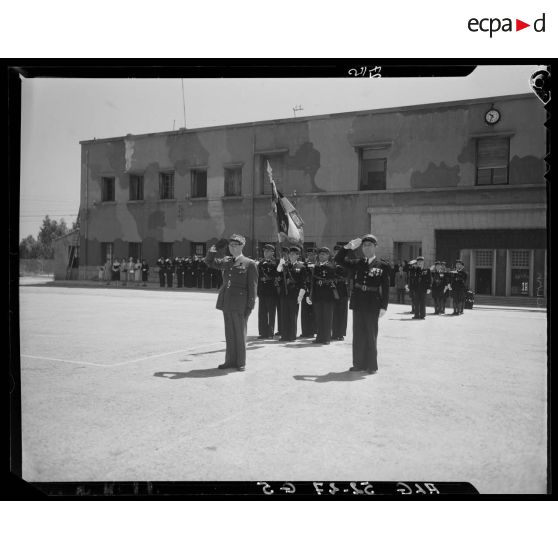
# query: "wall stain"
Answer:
x=440 y=176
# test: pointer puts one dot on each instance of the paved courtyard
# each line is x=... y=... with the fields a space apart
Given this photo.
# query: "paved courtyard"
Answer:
x=122 y=385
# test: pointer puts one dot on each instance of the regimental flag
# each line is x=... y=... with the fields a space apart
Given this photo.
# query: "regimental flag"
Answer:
x=289 y=223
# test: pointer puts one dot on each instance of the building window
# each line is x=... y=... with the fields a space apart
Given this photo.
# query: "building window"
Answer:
x=136 y=187
x=520 y=259
x=134 y=250
x=166 y=250
x=198 y=249
x=166 y=185
x=107 y=188
x=492 y=160
x=520 y=271
x=107 y=251
x=199 y=183
x=277 y=164
x=406 y=251
x=372 y=170
x=233 y=181
x=484 y=258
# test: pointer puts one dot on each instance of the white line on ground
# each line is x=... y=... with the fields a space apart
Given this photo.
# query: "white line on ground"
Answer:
x=126 y=361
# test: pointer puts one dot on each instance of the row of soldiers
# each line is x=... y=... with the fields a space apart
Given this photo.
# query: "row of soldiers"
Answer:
x=317 y=285
x=440 y=282
x=188 y=272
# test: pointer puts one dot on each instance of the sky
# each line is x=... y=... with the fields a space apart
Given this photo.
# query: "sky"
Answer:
x=58 y=113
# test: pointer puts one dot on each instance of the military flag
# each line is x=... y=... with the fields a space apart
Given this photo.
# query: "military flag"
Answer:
x=289 y=223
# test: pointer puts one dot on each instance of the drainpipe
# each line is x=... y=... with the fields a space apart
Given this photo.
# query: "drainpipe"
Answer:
x=86 y=215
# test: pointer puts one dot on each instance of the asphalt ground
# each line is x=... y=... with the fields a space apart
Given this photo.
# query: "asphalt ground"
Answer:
x=122 y=384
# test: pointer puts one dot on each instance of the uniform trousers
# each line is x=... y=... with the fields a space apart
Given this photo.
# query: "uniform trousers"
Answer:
x=235 y=335
x=458 y=299
x=340 y=311
x=279 y=316
x=365 y=337
x=179 y=279
x=420 y=303
x=412 y=294
x=289 y=316
x=307 y=321
x=439 y=301
x=169 y=278
x=266 y=315
x=323 y=311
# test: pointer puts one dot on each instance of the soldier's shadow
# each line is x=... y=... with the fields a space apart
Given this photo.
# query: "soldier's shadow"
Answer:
x=200 y=373
x=347 y=376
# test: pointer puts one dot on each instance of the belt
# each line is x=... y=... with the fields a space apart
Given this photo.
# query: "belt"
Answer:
x=365 y=288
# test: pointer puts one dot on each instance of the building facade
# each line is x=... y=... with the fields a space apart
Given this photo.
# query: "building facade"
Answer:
x=446 y=180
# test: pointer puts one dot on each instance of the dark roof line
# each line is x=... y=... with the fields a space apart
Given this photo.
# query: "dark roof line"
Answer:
x=404 y=108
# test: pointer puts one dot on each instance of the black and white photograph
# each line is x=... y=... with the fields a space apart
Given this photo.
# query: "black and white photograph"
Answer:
x=288 y=279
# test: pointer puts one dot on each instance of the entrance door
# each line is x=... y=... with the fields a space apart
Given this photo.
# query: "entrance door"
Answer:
x=483 y=281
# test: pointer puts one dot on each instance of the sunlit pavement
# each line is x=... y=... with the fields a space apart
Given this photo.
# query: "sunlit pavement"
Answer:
x=122 y=384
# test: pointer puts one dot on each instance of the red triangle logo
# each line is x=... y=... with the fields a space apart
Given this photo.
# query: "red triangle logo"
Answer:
x=519 y=25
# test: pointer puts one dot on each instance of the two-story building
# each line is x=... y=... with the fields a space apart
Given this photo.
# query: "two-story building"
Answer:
x=445 y=180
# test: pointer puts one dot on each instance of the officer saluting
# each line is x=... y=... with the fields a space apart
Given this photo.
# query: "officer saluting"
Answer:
x=440 y=284
x=369 y=299
x=237 y=297
x=267 y=293
x=458 y=287
x=423 y=282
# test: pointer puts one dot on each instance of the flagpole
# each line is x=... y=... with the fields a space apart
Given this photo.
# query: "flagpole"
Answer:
x=252 y=201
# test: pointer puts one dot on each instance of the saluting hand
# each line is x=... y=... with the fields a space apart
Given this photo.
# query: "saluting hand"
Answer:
x=382 y=312
x=353 y=244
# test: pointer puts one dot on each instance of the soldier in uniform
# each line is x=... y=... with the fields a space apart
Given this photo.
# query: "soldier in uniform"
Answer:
x=440 y=285
x=144 y=272
x=267 y=292
x=237 y=297
x=369 y=299
x=410 y=287
x=307 y=320
x=179 y=272
x=323 y=294
x=292 y=275
x=169 y=272
x=423 y=282
x=341 y=305
x=161 y=271
x=458 y=287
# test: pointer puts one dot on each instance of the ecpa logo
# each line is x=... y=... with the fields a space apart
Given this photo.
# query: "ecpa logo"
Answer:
x=494 y=24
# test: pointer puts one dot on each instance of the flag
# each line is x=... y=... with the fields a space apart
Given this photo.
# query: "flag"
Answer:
x=289 y=223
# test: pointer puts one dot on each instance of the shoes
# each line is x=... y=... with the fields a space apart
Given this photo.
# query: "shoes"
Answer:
x=262 y=336
x=241 y=368
x=355 y=369
x=325 y=343
x=415 y=318
x=225 y=365
x=370 y=371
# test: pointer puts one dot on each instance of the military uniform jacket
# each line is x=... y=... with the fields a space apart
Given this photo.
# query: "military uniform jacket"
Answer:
x=459 y=280
x=267 y=278
x=292 y=278
x=423 y=279
x=342 y=281
x=324 y=282
x=240 y=282
x=145 y=267
x=161 y=264
x=371 y=282
x=440 y=279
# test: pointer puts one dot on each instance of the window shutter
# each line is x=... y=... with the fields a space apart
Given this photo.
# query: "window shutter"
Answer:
x=493 y=152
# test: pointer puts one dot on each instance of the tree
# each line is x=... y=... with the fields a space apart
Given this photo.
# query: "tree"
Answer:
x=50 y=229
x=29 y=248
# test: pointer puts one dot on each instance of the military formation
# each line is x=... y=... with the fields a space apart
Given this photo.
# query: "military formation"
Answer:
x=190 y=273
x=322 y=287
